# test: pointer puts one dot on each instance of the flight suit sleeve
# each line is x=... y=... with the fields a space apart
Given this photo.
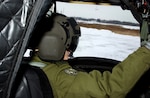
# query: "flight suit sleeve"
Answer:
x=124 y=76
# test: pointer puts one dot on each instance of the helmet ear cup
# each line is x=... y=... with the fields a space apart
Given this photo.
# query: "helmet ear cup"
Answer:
x=51 y=48
x=52 y=45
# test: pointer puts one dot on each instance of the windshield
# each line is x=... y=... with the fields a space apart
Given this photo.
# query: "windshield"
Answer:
x=100 y=28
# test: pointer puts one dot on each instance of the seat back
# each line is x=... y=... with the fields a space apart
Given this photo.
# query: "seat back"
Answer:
x=31 y=82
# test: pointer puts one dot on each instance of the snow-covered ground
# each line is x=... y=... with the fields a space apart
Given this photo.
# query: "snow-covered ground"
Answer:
x=102 y=43
x=106 y=44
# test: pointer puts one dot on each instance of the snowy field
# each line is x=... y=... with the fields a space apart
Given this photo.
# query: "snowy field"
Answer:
x=102 y=43
x=106 y=44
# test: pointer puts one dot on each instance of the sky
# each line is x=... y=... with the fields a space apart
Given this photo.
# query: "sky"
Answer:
x=104 y=12
x=102 y=43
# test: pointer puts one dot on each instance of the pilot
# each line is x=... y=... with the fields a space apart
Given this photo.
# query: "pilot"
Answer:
x=57 y=46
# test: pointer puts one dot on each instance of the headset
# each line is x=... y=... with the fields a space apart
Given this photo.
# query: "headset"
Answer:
x=64 y=35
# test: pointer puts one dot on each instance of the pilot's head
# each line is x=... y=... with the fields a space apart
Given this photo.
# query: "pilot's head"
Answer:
x=64 y=35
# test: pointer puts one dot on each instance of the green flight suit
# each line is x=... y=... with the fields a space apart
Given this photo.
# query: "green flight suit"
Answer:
x=96 y=84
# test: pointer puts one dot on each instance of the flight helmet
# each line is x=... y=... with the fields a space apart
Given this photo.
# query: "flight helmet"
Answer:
x=64 y=35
